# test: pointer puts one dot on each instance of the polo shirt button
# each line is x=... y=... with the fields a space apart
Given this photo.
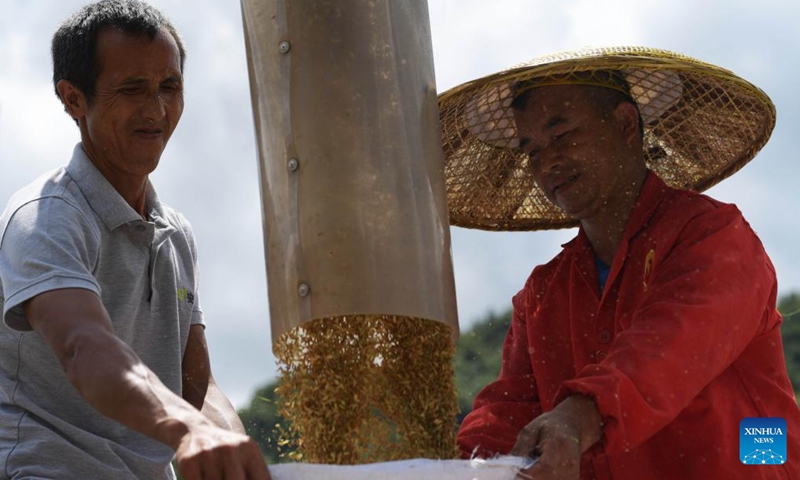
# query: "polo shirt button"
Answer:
x=599 y=355
x=604 y=335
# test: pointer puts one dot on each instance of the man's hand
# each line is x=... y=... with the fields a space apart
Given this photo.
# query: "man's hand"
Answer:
x=558 y=438
x=208 y=452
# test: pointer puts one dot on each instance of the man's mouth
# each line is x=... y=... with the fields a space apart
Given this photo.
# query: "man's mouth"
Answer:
x=563 y=183
x=149 y=133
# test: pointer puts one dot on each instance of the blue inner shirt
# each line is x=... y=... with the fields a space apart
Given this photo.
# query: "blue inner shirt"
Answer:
x=602 y=272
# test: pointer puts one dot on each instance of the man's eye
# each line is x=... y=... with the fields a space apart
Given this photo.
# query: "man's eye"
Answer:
x=561 y=135
x=170 y=88
x=130 y=90
x=534 y=154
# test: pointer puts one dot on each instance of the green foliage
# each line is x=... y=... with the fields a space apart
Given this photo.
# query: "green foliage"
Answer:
x=478 y=358
x=789 y=306
x=263 y=424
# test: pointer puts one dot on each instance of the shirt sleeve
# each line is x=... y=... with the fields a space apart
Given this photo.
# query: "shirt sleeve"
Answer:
x=197 y=310
x=47 y=244
x=505 y=406
x=710 y=296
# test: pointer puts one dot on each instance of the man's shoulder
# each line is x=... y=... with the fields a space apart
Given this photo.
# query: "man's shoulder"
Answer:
x=542 y=273
x=56 y=189
x=566 y=250
x=687 y=216
x=678 y=198
x=683 y=206
x=51 y=183
x=183 y=238
x=176 y=219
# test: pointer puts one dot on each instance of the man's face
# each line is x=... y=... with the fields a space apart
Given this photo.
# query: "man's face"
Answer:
x=578 y=154
x=137 y=103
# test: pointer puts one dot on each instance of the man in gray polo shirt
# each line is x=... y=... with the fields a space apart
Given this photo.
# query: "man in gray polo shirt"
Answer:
x=104 y=370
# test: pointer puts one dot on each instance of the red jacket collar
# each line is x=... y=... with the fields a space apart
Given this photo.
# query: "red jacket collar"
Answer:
x=653 y=192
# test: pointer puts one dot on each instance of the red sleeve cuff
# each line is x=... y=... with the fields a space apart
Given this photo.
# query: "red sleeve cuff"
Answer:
x=610 y=390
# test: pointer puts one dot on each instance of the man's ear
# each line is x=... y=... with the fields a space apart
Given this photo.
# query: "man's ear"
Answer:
x=628 y=118
x=73 y=99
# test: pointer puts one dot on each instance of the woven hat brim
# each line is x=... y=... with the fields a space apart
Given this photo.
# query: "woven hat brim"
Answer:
x=702 y=123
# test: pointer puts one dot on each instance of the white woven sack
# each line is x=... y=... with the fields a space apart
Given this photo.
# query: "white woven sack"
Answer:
x=501 y=468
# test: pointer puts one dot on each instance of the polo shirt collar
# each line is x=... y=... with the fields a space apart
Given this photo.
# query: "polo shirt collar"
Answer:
x=104 y=199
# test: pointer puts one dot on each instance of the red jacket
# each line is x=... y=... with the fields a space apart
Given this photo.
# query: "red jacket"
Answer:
x=683 y=344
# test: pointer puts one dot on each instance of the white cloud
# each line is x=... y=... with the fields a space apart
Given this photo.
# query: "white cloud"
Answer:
x=33 y=131
x=209 y=171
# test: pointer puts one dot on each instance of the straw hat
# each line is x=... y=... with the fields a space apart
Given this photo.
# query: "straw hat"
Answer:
x=701 y=123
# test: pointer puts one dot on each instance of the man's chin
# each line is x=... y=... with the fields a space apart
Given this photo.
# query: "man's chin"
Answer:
x=147 y=156
x=573 y=212
x=144 y=165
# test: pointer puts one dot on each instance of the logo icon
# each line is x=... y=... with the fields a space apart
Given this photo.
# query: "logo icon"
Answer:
x=762 y=441
x=186 y=295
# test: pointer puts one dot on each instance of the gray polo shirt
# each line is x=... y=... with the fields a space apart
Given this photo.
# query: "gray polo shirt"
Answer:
x=71 y=229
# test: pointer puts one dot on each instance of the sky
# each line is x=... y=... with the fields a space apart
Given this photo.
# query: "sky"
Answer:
x=209 y=170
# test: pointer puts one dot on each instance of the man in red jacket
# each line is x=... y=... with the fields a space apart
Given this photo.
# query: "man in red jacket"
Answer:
x=639 y=349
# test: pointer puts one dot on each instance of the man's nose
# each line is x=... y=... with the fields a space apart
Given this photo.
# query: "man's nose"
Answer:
x=154 y=107
x=550 y=159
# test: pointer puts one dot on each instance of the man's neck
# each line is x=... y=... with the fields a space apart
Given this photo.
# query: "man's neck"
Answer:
x=605 y=240
x=132 y=188
x=605 y=230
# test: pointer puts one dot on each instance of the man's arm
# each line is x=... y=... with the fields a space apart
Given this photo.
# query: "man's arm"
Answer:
x=199 y=387
x=109 y=375
x=219 y=409
x=505 y=406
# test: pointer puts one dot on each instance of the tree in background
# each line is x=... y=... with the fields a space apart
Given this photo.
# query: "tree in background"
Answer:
x=263 y=424
x=477 y=363
x=479 y=354
x=789 y=306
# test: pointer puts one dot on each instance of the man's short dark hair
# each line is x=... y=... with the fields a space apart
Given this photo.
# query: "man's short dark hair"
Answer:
x=75 y=41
